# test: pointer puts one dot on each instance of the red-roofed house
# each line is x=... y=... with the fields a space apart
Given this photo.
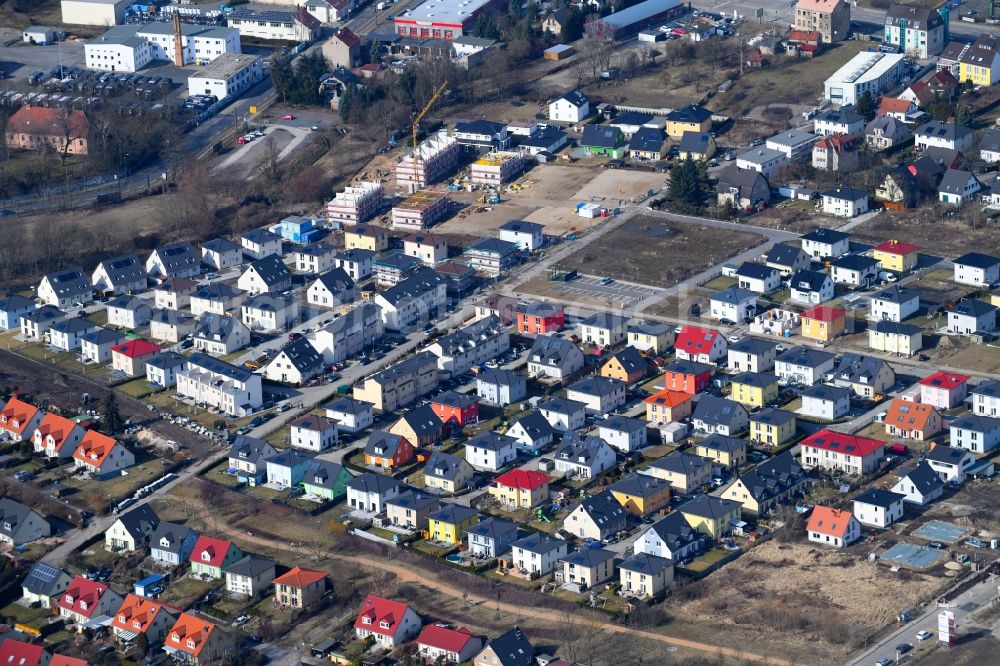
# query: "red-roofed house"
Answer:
x=195 y=640
x=67 y=132
x=805 y=37
x=906 y=419
x=667 y=406
x=210 y=556
x=521 y=488
x=19 y=653
x=896 y=256
x=702 y=345
x=388 y=622
x=130 y=357
x=840 y=452
x=139 y=615
x=18 y=419
x=299 y=588
x=823 y=323
x=897 y=108
x=101 y=455
x=63 y=660
x=343 y=49
x=837 y=152
x=57 y=436
x=943 y=390
x=453 y=646
x=86 y=599
x=833 y=527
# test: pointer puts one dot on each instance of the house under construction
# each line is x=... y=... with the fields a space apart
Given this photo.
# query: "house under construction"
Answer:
x=496 y=168
x=420 y=210
x=357 y=203
x=437 y=157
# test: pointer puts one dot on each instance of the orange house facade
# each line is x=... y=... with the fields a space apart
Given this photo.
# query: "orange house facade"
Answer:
x=540 y=318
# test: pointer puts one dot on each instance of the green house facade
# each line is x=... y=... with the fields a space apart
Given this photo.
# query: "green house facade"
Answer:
x=326 y=479
x=210 y=556
x=602 y=141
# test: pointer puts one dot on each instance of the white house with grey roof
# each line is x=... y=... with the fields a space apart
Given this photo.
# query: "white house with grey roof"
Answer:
x=977 y=269
x=919 y=485
x=603 y=329
x=119 y=275
x=315 y=258
x=266 y=275
x=765 y=161
x=824 y=243
x=958 y=186
x=417 y=298
x=822 y=401
x=855 y=270
x=751 y=355
x=951 y=463
x=64 y=288
x=598 y=394
x=803 y=366
x=246 y=459
x=563 y=414
x=757 y=278
x=596 y=518
x=795 y=144
x=532 y=432
x=843 y=120
x=331 y=289
x=583 y=457
x=95 y=346
x=979 y=434
x=570 y=108
x=554 y=357
x=735 y=304
x=351 y=415
x=938 y=134
x=623 y=433
x=720 y=416
x=162 y=369
x=986 y=398
x=20 y=524
x=219 y=254
x=844 y=201
x=44 y=583
x=491 y=537
x=469 y=346
x=177 y=260
x=369 y=492
x=129 y=312
x=670 y=538
x=972 y=317
x=259 y=243
x=538 y=553
x=894 y=304
x=490 y=452
x=878 y=508
x=786 y=258
x=501 y=387
x=269 y=312
x=67 y=335
x=527 y=236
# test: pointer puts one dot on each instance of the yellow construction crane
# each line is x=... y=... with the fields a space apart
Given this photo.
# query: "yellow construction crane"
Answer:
x=416 y=123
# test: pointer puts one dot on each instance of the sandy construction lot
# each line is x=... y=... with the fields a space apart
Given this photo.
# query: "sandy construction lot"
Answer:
x=830 y=598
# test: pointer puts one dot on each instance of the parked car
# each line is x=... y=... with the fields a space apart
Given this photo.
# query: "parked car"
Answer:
x=288 y=116
x=923 y=635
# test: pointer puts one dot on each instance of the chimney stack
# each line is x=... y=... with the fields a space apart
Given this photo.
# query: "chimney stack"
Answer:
x=178 y=44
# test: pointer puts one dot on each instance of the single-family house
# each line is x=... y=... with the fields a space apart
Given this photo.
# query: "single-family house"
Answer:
x=979 y=434
x=894 y=304
x=726 y=452
x=501 y=387
x=641 y=494
x=299 y=588
x=602 y=141
x=451 y=522
x=866 y=376
x=754 y=389
x=950 y=463
x=490 y=451
x=896 y=255
x=287 y=469
x=20 y=524
x=689 y=377
x=667 y=406
x=685 y=473
x=833 y=527
x=774 y=481
x=803 y=366
x=958 y=186
x=772 y=427
x=177 y=260
x=977 y=269
x=627 y=366
x=587 y=567
x=171 y=544
x=531 y=433
x=102 y=456
x=369 y=492
x=583 y=457
x=132 y=530
x=387 y=450
x=893 y=338
x=446 y=472
x=825 y=243
x=554 y=357
x=444 y=645
x=943 y=390
x=834 y=451
x=63 y=289
x=196 y=641
x=972 y=317
x=56 y=436
x=596 y=518
x=878 y=508
x=538 y=553
x=701 y=345
x=129 y=358
x=120 y=275
x=733 y=304
x=312 y=432
x=855 y=270
x=712 y=516
x=645 y=576
x=844 y=201
x=95 y=346
x=86 y=599
x=44 y=584
x=822 y=401
x=757 y=278
x=210 y=556
x=491 y=537
x=720 y=416
x=744 y=189
x=919 y=485
x=670 y=538
x=654 y=337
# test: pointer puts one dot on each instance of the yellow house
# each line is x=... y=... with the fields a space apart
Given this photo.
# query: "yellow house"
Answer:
x=366 y=237
x=652 y=337
x=823 y=323
x=641 y=494
x=691 y=118
x=772 y=426
x=711 y=516
x=520 y=488
x=764 y=487
x=754 y=389
x=451 y=523
x=730 y=452
x=627 y=366
x=644 y=575
x=896 y=256
x=980 y=63
x=696 y=145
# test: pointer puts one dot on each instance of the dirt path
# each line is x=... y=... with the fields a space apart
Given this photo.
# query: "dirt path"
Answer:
x=407 y=574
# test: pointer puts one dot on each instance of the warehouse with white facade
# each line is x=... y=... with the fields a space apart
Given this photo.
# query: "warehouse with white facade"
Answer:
x=227 y=76
x=94 y=12
x=129 y=48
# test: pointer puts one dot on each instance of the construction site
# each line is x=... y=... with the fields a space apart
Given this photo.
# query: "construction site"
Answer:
x=496 y=168
x=420 y=210
x=433 y=160
x=356 y=203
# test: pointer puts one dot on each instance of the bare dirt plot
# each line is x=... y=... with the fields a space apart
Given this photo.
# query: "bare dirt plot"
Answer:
x=664 y=86
x=828 y=598
x=620 y=184
x=659 y=253
x=787 y=82
x=552 y=182
x=792 y=216
x=947 y=237
x=965 y=354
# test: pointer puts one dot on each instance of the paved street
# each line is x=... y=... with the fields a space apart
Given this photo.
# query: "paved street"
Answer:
x=964 y=606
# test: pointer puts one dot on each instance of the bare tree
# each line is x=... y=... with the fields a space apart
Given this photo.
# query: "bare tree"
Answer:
x=597 y=45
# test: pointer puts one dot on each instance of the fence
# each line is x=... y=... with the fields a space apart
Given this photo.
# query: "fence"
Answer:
x=372 y=537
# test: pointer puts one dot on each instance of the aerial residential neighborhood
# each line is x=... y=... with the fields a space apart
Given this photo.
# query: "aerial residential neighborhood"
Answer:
x=466 y=332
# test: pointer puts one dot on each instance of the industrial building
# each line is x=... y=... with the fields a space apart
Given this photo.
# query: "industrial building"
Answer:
x=435 y=159
x=420 y=210
x=129 y=48
x=867 y=71
x=628 y=22
x=443 y=19
x=227 y=76
x=496 y=168
x=357 y=203
x=296 y=26
x=94 y=12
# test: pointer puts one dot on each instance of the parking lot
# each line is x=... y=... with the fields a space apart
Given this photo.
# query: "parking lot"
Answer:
x=621 y=294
